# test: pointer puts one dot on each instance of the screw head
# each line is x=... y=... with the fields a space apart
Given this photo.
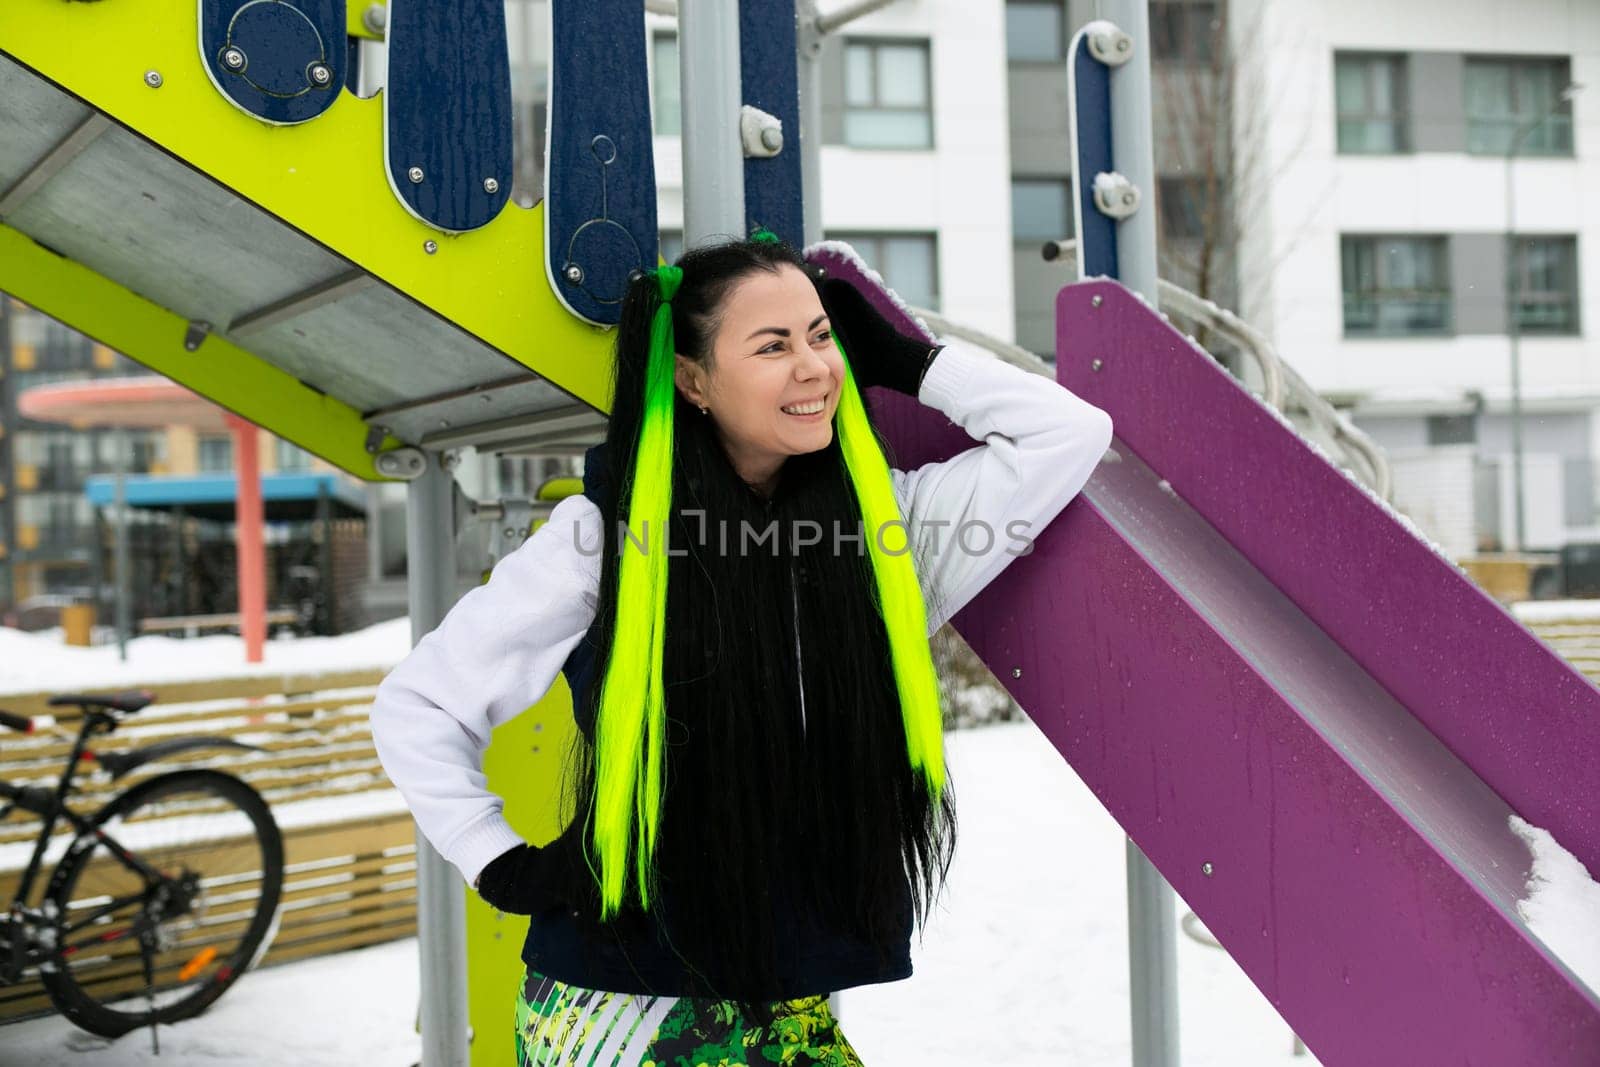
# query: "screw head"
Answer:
x=1096 y=300
x=491 y=185
x=320 y=74
x=1207 y=870
x=430 y=246
x=573 y=273
x=1123 y=44
x=772 y=139
x=1127 y=198
x=1016 y=672
x=233 y=58
x=152 y=78
x=415 y=174
x=1096 y=364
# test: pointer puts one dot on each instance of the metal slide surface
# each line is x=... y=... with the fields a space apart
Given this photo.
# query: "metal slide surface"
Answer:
x=1313 y=725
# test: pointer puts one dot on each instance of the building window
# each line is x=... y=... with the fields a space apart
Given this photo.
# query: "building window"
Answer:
x=1544 y=284
x=1041 y=209
x=1370 y=94
x=290 y=457
x=907 y=261
x=887 y=95
x=1035 y=31
x=1395 y=286
x=1185 y=207
x=1506 y=95
x=1452 y=430
x=216 y=452
x=671 y=245
x=1185 y=32
x=664 y=71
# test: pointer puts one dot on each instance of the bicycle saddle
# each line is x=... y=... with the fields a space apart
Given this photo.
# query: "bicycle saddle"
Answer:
x=129 y=700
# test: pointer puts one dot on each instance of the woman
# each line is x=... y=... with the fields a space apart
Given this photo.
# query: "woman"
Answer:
x=741 y=602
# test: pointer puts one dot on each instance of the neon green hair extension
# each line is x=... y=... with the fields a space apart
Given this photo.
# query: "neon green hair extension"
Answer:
x=631 y=718
x=905 y=614
x=631 y=721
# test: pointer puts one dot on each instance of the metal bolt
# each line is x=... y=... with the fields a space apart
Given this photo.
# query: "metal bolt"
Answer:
x=573 y=273
x=233 y=58
x=1128 y=197
x=1016 y=672
x=1096 y=364
x=490 y=185
x=509 y=532
x=1206 y=869
x=430 y=246
x=415 y=174
x=152 y=78
x=1124 y=43
x=320 y=73
x=1095 y=300
x=772 y=139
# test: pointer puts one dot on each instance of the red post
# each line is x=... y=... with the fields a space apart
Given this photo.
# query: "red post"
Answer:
x=249 y=522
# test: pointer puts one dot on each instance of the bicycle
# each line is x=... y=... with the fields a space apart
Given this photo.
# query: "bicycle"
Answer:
x=162 y=898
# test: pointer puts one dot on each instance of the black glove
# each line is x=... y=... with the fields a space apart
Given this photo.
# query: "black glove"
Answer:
x=514 y=882
x=879 y=353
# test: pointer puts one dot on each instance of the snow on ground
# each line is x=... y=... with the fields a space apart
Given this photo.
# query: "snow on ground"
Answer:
x=1025 y=962
x=33 y=662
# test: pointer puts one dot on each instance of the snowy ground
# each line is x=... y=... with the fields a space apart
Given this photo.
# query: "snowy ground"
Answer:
x=1025 y=963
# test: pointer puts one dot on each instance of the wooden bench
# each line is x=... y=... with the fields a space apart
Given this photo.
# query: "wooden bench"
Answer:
x=191 y=625
x=349 y=842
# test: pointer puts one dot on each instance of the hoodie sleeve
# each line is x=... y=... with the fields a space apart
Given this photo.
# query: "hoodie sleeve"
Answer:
x=971 y=514
x=496 y=652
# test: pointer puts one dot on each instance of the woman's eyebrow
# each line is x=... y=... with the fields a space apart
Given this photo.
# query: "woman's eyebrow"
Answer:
x=783 y=331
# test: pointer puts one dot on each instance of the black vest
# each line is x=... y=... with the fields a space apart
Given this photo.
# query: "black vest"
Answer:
x=562 y=944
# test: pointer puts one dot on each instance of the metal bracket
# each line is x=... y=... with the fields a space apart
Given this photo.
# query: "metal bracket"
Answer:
x=506 y=535
x=1115 y=195
x=195 y=334
x=406 y=463
x=375 y=436
x=761 y=133
x=1109 y=44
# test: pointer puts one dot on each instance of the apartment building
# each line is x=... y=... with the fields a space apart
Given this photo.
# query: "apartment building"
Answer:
x=1423 y=211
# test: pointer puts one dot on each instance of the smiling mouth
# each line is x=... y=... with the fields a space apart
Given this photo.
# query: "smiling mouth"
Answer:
x=814 y=407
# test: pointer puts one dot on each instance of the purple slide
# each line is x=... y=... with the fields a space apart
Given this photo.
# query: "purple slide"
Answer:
x=1311 y=723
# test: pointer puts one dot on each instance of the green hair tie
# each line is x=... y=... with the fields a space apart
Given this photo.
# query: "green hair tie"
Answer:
x=668 y=278
x=765 y=236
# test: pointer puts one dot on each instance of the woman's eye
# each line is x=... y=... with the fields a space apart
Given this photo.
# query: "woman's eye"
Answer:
x=823 y=337
x=775 y=346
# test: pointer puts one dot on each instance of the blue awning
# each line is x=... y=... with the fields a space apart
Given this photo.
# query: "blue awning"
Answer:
x=286 y=496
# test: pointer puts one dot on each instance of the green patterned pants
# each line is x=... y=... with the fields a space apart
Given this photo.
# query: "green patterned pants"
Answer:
x=560 y=1024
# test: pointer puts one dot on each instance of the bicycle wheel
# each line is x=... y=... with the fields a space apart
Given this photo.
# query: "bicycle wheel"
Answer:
x=165 y=902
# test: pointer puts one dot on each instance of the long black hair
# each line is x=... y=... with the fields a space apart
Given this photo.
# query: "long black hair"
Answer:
x=774 y=803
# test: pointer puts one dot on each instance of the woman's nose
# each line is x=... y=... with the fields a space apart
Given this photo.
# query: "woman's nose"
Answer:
x=812 y=365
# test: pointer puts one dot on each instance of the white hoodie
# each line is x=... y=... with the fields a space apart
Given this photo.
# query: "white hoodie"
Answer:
x=499 y=649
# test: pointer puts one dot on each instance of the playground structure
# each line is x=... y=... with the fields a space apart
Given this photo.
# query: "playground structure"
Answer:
x=1307 y=721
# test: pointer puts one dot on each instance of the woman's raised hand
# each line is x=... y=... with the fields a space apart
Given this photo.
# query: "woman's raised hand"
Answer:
x=879 y=354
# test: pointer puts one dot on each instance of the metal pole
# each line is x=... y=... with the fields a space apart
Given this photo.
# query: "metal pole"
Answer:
x=441 y=897
x=119 y=460
x=1152 y=922
x=809 y=43
x=713 y=154
x=849 y=13
x=1514 y=337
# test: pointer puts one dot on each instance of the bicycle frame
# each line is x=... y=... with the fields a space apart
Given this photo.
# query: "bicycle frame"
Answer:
x=52 y=808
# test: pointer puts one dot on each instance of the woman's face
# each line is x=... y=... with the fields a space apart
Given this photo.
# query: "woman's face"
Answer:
x=773 y=381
